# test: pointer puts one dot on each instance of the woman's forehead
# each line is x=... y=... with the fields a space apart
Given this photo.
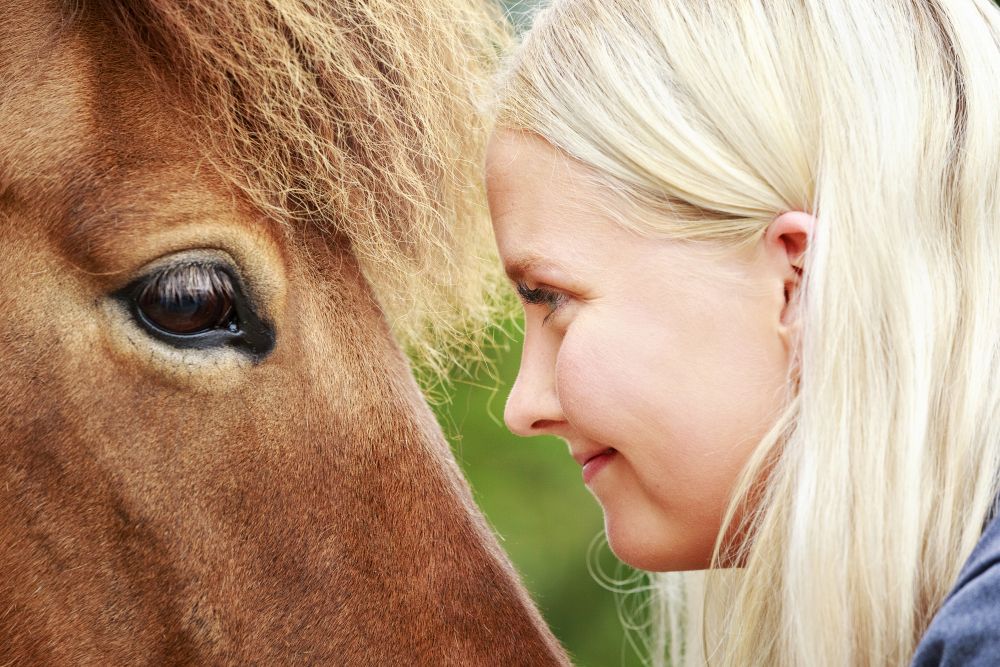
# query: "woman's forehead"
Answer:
x=517 y=155
x=538 y=198
x=551 y=218
x=530 y=181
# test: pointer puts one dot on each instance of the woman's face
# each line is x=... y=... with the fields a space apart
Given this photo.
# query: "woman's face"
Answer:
x=673 y=360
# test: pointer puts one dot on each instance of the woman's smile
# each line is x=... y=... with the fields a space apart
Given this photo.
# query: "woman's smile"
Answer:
x=593 y=462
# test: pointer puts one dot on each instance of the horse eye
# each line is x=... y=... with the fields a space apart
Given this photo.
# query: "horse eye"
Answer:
x=187 y=300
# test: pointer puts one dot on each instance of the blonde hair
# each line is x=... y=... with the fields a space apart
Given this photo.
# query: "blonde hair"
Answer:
x=709 y=119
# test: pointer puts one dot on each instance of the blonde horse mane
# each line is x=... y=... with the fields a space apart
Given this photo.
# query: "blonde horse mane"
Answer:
x=364 y=117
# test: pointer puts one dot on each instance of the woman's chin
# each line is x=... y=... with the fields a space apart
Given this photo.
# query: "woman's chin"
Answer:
x=650 y=550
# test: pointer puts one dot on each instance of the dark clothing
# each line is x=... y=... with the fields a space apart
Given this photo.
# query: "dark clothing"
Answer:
x=966 y=630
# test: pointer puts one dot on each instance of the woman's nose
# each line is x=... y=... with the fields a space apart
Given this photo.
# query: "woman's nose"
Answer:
x=533 y=405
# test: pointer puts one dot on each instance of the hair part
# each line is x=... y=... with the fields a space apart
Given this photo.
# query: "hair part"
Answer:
x=710 y=120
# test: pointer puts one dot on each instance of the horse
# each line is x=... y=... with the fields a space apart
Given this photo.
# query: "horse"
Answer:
x=223 y=227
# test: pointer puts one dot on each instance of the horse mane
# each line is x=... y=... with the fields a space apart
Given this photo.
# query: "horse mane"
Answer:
x=364 y=117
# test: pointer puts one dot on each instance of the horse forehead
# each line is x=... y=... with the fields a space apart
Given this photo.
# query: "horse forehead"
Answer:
x=74 y=105
x=86 y=138
x=45 y=99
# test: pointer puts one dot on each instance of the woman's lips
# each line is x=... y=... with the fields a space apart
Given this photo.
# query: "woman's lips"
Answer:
x=595 y=463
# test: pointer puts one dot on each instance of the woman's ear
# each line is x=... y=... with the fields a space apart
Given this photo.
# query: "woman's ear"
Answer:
x=787 y=238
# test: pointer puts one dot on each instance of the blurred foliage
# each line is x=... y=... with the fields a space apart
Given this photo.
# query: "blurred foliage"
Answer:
x=533 y=495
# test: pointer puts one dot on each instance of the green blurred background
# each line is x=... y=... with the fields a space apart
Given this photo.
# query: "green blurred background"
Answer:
x=533 y=495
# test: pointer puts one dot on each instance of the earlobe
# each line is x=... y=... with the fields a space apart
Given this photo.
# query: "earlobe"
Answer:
x=789 y=235
x=788 y=331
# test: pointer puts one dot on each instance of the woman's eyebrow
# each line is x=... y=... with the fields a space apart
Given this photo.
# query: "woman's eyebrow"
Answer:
x=519 y=266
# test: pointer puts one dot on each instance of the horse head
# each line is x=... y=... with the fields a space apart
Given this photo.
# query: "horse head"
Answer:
x=220 y=223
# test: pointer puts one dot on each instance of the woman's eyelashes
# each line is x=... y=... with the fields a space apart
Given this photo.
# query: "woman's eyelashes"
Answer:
x=541 y=296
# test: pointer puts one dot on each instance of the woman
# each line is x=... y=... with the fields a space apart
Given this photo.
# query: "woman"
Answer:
x=758 y=246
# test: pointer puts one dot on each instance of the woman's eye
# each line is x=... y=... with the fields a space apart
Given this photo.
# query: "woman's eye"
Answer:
x=541 y=296
x=187 y=300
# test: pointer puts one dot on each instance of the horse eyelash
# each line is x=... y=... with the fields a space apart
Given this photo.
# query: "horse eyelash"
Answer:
x=175 y=283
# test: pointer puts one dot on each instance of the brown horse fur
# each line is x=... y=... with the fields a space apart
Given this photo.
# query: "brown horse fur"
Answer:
x=197 y=506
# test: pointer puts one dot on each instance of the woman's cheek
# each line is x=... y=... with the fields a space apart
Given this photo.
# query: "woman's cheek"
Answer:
x=599 y=390
x=581 y=380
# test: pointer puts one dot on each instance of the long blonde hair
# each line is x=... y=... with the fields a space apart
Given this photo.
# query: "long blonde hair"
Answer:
x=708 y=119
